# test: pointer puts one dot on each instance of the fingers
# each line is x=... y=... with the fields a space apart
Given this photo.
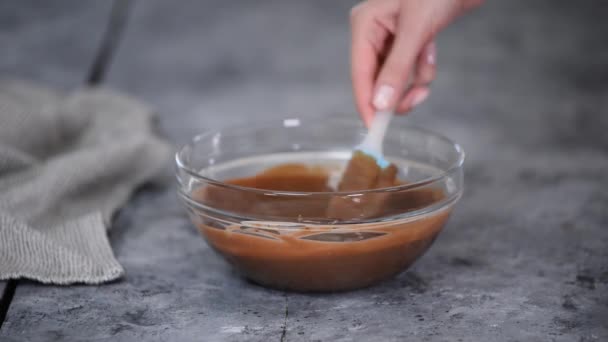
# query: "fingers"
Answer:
x=370 y=34
x=425 y=74
x=394 y=75
x=425 y=68
x=415 y=96
x=400 y=79
x=373 y=25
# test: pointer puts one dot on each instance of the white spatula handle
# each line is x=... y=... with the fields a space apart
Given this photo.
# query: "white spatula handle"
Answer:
x=377 y=130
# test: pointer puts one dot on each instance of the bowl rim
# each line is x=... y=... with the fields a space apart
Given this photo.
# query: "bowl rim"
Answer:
x=181 y=165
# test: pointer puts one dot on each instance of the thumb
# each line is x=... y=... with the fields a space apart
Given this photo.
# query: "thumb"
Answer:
x=395 y=73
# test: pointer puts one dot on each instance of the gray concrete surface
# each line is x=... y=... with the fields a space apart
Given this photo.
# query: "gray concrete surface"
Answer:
x=522 y=86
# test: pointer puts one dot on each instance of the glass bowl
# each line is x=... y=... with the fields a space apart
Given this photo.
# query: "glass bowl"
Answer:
x=284 y=238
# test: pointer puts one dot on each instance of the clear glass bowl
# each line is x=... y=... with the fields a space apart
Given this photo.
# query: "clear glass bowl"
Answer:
x=283 y=238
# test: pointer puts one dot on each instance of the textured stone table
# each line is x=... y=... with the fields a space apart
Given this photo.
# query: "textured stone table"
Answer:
x=522 y=86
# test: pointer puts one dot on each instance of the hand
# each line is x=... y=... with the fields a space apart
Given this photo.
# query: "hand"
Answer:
x=393 y=50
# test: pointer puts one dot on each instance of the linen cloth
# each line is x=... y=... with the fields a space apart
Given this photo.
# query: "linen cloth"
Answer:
x=67 y=163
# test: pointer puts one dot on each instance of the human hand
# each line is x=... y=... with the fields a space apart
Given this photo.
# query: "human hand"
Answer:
x=393 y=50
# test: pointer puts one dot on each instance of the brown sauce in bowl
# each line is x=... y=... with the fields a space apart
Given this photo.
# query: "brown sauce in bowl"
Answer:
x=307 y=257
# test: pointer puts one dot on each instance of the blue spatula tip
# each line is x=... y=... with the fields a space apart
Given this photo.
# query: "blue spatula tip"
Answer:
x=380 y=161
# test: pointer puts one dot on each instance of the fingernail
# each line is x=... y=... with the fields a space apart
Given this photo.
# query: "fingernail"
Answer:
x=431 y=54
x=383 y=96
x=420 y=97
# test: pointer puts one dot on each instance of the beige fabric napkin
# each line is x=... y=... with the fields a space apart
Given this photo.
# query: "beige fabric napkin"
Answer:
x=67 y=163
